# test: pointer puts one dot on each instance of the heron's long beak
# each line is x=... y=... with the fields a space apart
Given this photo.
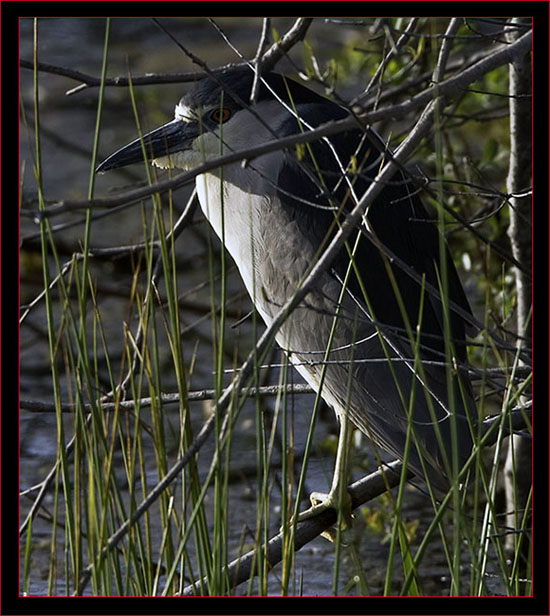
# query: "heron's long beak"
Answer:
x=168 y=139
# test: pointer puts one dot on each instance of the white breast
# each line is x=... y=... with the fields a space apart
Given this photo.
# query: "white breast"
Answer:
x=235 y=213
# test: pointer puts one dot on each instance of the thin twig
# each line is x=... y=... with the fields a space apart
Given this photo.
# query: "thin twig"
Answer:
x=89 y=81
x=445 y=51
x=279 y=49
x=38 y=406
x=257 y=62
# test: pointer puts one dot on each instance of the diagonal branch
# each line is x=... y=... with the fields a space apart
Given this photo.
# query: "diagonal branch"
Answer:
x=364 y=490
x=367 y=488
x=281 y=47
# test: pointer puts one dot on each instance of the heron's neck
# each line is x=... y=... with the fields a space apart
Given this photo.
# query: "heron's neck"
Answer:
x=234 y=211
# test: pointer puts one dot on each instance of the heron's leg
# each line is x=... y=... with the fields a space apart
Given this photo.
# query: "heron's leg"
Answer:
x=338 y=497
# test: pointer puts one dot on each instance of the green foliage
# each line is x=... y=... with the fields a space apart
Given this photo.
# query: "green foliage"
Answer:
x=380 y=517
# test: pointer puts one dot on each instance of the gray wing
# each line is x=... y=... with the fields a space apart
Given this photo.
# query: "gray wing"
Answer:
x=387 y=379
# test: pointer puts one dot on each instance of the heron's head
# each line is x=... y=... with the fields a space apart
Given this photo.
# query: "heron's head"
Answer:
x=216 y=117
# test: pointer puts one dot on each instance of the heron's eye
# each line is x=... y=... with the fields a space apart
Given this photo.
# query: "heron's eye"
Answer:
x=220 y=115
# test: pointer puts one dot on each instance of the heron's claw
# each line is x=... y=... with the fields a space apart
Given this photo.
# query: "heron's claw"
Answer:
x=321 y=502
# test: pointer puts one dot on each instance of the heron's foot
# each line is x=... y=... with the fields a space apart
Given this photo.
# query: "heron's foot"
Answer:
x=321 y=502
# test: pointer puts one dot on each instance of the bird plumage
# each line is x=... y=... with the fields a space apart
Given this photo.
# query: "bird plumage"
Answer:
x=376 y=334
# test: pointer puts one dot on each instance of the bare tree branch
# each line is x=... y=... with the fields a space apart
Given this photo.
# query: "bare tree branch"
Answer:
x=279 y=49
x=361 y=492
x=89 y=81
x=364 y=490
x=447 y=88
x=518 y=466
x=37 y=406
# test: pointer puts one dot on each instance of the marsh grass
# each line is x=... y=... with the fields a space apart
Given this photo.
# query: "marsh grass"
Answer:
x=110 y=462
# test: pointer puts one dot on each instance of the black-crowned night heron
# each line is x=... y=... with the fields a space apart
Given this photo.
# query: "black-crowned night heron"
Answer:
x=390 y=351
